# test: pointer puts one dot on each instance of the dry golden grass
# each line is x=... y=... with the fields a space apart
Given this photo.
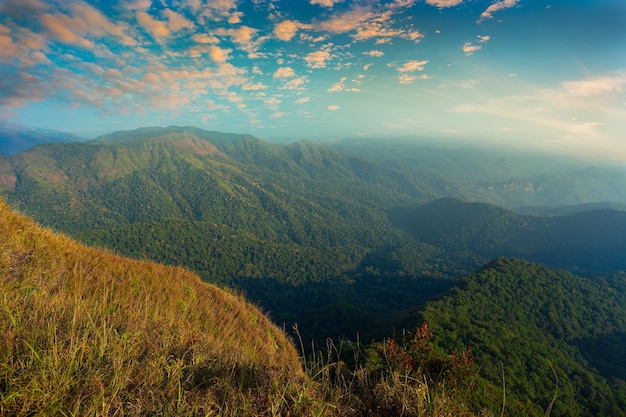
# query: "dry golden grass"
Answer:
x=88 y=333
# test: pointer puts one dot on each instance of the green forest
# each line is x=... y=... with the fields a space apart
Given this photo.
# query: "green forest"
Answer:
x=353 y=244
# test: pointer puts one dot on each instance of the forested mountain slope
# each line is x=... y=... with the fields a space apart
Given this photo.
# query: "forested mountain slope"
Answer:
x=307 y=231
x=588 y=242
x=508 y=178
x=543 y=331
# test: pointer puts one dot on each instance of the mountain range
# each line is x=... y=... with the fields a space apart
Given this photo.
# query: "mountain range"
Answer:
x=356 y=239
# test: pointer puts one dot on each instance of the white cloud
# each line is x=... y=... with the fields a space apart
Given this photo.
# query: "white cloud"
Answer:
x=488 y=13
x=406 y=78
x=325 y=3
x=204 y=38
x=317 y=59
x=444 y=3
x=469 y=49
x=284 y=72
x=333 y=107
x=338 y=86
x=346 y=21
x=303 y=100
x=608 y=84
x=374 y=52
x=287 y=29
x=156 y=28
x=218 y=54
x=412 y=65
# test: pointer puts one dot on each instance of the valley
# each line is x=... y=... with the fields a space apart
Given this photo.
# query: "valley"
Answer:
x=354 y=241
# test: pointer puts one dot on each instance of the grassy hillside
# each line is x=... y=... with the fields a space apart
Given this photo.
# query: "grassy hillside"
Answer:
x=89 y=333
x=92 y=334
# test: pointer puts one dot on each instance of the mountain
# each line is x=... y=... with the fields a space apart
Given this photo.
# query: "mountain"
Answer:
x=509 y=178
x=13 y=140
x=86 y=332
x=234 y=209
x=316 y=236
x=588 y=242
x=538 y=334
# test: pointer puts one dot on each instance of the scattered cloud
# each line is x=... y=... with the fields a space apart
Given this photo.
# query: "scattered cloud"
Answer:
x=325 y=3
x=287 y=29
x=284 y=72
x=595 y=86
x=412 y=65
x=469 y=48
x=157 y=29
x=218 y=54
x=338 y=86
x=444 y=3
x=318 y=59
x=333 y=107
x=303 y=100
x=488 y=13
x=374 y=52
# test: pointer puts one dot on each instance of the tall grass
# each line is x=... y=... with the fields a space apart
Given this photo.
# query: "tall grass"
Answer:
x=88 y=333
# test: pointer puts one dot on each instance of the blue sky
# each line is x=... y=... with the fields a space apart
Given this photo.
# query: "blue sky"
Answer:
x=544 y=75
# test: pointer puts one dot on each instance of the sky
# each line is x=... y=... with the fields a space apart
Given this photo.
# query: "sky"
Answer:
x=540 y=75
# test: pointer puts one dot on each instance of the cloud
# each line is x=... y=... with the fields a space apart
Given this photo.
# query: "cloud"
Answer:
x=412 y=65
x=253 y=87
x=595 y=86
x=444 y=3
x=287 y=29
x=325 y=3
x=156 y=28
x=333 y=107
x=406 y=78
x=374 y=52
x=8 y=49
x=272 y=102
x=469 y=49
x=204 y=38
x=177 y=21
x=58 y=26
x=295 y=83
x=338 y=86
x=218 y=54
x=317 y=59
x=488 y=13
x=284 y=72
x=303 y=100
x=346 y=21
x=244 y=37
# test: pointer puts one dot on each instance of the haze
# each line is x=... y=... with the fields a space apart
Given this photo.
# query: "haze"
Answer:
x=541 y=75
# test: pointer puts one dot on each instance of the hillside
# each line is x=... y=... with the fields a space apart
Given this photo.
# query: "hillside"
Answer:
x=86 y=332
x=316 y=236
x=587 y=242
x=90 y=333
x=545 y=331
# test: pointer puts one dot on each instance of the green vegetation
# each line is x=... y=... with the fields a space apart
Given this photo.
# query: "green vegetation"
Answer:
x=89 y=333
x=348 y=248
x=534 y=328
